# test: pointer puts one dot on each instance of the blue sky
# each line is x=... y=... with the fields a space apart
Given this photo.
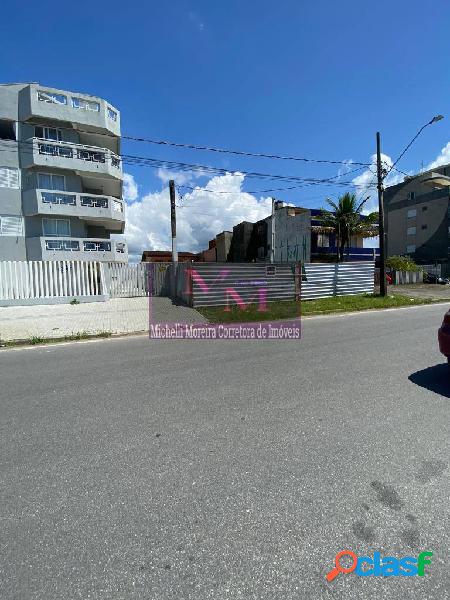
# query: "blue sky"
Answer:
x=314 y=79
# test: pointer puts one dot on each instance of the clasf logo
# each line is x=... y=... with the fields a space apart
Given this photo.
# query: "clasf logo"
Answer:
x=377 y=566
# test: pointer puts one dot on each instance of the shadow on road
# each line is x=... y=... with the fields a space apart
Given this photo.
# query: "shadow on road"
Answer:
x=436 y=379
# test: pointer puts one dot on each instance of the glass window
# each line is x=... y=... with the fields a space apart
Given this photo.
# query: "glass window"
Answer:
x=48 y=133
x=412 y=212
x=410 y=249
x=85 y=104
x=56 y=227
x=411 y=231
x=112 y=114
x=49 y=181
x=51 y=97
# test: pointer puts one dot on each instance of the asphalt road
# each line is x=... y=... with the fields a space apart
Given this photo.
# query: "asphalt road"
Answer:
x=139 y=469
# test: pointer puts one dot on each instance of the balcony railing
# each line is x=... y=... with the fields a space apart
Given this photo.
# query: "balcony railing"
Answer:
x=94 y=201
x=59 y=198
x=97 y=246
x=63 y=245
x=76 y=151
x=85 y=200
x=87 y=245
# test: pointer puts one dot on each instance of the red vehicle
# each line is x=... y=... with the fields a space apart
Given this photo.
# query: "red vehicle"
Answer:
x=444 y=336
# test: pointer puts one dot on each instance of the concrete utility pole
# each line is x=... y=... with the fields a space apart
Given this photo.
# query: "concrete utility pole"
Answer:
x=272 y=224
x=173 y=221
x=380 y=177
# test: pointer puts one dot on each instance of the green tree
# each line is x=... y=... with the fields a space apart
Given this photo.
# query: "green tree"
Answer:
x=344 y=219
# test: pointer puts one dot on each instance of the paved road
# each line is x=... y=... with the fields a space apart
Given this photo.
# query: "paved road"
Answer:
x=226 y=469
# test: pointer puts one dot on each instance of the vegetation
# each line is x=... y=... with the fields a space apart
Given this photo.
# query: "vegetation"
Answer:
x=290 y=309
x=345 y=221
x=402 y=263
x=74 y=301
x=34 y=340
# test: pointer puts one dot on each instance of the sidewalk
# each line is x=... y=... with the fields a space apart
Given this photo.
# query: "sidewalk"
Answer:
x=422 y=290
x=120 y=315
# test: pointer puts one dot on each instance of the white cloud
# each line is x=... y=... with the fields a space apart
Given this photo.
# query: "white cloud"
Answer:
x=442 y=159
x=180 y=178
x=365 y=183
x=203 y=213
x=130 y=188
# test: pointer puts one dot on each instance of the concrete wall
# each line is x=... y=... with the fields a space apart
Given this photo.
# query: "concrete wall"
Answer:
x=292 y=235
x=223 y=244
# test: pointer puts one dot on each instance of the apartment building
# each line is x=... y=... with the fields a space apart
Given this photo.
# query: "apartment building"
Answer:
x=417 y=214
x=60 y=176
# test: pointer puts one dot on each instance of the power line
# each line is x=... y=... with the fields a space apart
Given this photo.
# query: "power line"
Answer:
x=191 y=167
x=206 y=148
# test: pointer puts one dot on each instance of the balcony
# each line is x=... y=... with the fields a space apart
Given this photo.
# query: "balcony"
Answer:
x=105 y=211
x=93 y=113
x=85 y=160
x=67 y=248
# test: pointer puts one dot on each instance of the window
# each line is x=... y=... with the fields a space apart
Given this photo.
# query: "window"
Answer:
x=424 y=226
x=9 y=177
x=411 y=231
x=410 y=249
x=424 y=208
x=11 y=226
x=112 y=114
x=86 y=104
x=56 y=227
x=7 y=130
x=412 y=212
x=323 y=240
x=51 y=97
x=49 y=181
x=48 y=133
x=411 y=195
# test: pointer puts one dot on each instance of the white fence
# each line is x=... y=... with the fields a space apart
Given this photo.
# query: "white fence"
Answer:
x=337 y=279
x=126 y=281
x=47 y=282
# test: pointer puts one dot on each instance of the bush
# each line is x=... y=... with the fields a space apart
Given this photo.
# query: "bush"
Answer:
x=402 y=263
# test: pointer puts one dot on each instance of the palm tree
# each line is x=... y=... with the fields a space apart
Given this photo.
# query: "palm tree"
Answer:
x=345 y=220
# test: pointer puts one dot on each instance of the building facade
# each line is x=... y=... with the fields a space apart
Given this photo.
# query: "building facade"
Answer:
x=417 y=217
x=60 y=176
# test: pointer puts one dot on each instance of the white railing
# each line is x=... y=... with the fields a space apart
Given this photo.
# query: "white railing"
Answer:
x=80 y=199
x=83 y=245
x=23 y=282
x=77 y=151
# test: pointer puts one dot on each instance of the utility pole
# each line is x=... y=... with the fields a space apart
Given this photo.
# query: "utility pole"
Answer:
x=173 y=223
x=381 y=219
x=272 y=242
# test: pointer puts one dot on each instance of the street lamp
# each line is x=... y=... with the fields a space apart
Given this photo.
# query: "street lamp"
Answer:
x=381 y=177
